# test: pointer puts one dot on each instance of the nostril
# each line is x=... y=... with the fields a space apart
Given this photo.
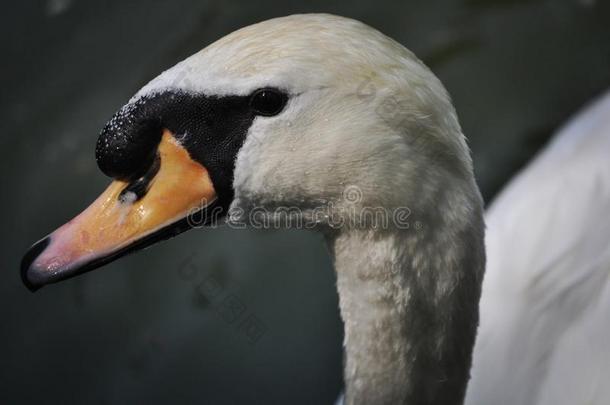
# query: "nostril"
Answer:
x=139 y=187
x=127 y=146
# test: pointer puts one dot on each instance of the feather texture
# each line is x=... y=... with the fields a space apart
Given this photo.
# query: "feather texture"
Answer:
x=545 y=308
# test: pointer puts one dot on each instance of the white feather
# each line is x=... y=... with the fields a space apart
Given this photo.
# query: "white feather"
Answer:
x=545 y=309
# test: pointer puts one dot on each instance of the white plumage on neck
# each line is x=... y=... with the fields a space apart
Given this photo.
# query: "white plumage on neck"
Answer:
x=409 y=300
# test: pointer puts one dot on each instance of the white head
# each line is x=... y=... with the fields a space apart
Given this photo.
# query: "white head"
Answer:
x=362 y=111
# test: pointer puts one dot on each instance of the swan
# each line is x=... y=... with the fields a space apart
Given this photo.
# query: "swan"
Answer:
x=325 y=120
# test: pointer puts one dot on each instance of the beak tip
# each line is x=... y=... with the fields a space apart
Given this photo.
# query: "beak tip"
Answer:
x=30 y=286
x=32 y=277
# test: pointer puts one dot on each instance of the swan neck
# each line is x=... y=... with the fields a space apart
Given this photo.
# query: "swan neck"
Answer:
x=409 y=302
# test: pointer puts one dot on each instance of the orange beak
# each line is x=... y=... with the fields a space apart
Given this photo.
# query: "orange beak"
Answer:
x=119 y=222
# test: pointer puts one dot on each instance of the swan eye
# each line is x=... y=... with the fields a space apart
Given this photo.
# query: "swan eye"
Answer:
x=268 y=102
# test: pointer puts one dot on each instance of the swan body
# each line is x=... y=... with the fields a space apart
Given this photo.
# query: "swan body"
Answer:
x=295 y=112
x=545 y=307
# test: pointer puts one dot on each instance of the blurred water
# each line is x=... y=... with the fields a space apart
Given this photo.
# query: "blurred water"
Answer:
x=146 y=329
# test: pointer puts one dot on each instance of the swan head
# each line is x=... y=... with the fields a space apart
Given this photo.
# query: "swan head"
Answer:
x=289 y=112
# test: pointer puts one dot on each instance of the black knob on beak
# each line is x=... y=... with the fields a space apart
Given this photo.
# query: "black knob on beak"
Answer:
x=127 y=146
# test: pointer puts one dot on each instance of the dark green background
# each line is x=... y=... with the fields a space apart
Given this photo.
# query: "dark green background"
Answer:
x=152 y=328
